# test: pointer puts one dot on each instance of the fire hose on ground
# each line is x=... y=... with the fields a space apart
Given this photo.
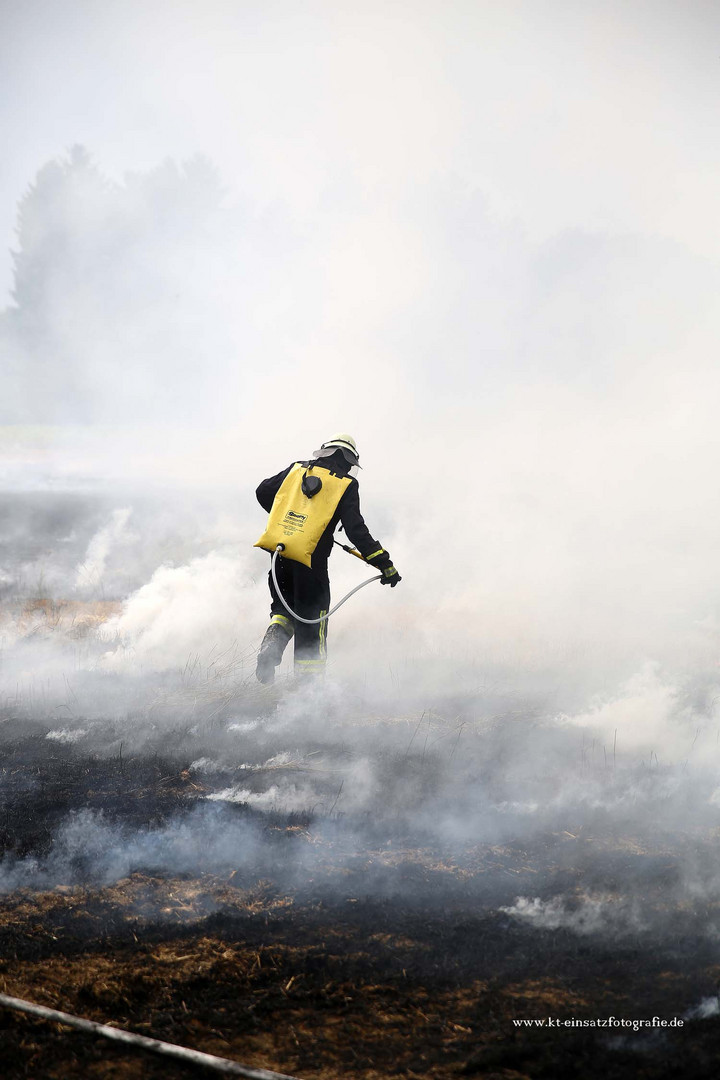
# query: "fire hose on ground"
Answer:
x=142 y=1042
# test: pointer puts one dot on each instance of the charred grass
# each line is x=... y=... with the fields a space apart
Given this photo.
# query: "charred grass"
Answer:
x=397 y=962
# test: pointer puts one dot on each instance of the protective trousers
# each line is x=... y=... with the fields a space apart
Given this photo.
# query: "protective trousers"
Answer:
x=307 y=591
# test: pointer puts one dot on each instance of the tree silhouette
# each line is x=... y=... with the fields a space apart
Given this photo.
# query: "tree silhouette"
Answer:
x=110 y=288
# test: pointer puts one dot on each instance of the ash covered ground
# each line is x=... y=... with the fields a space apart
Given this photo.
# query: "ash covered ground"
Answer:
x=366 y=878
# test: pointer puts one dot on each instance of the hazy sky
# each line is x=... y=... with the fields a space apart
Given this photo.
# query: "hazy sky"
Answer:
x=598 y=116
x=486 y=183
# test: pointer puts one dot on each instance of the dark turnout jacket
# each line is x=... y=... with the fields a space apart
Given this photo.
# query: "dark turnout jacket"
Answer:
x=347 y=513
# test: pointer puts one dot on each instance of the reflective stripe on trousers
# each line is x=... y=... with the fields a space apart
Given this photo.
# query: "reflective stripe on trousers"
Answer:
x=311 y=657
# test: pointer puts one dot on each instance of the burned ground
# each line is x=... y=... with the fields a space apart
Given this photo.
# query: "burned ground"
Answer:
x=332 y=948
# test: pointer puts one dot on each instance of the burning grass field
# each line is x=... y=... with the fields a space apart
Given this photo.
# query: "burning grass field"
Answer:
x=339 y=880
x=163 y=893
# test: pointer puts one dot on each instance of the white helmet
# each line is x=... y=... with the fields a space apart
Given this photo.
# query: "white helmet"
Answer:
x=343 y=442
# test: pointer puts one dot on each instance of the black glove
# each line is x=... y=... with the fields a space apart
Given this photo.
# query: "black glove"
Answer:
x=382 y=560
x=390 y=576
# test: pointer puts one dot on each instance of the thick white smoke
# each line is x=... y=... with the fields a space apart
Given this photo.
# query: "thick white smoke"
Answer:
x=477 y=239
x=91 y=570
x=182 y=613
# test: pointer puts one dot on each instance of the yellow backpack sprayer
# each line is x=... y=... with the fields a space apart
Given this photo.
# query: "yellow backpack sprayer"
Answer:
x=302 y=510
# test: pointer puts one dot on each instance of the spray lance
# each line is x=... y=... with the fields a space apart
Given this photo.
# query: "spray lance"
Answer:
x=309 y=622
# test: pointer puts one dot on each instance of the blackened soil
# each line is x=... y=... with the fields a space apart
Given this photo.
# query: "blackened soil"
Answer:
x=421 y=975
x=43 y=782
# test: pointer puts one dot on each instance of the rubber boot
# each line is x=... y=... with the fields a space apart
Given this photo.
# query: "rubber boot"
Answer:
x=271 y=652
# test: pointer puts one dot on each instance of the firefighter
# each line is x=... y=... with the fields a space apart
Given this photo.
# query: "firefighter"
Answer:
x=306 y=503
